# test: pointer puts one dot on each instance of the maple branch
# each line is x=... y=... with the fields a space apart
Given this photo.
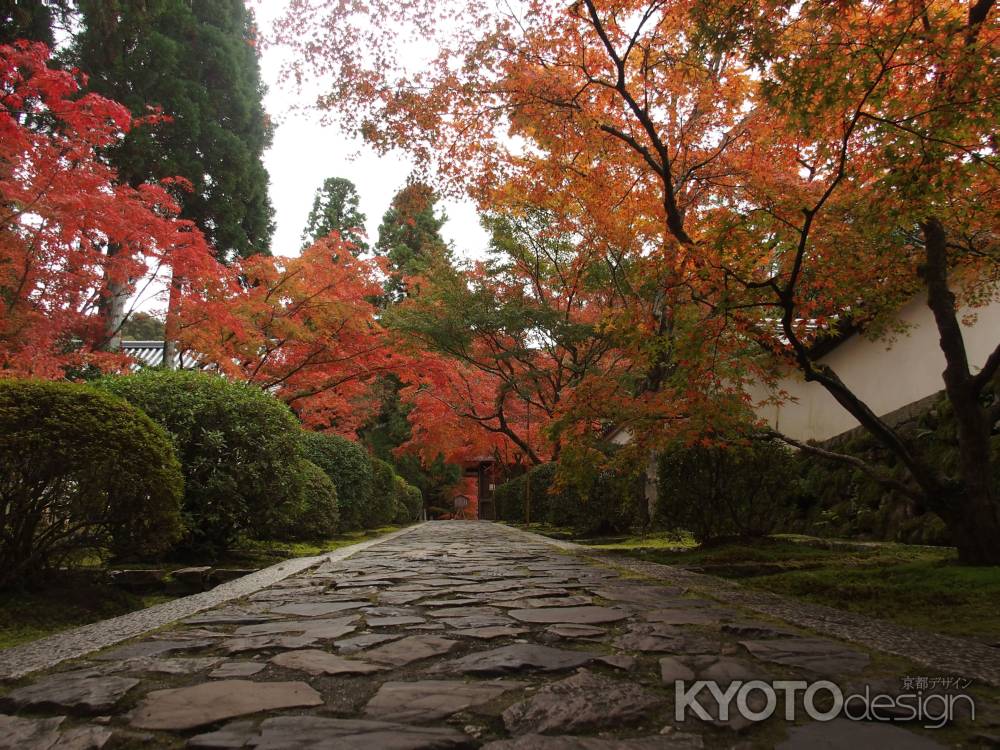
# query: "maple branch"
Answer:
x=642 y=150
x=978 y=11
x=967 y=150
x=847 y=459
x=675 y=220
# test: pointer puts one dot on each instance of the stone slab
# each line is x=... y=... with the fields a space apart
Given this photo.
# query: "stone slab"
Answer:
x=321 y=733
x=315 y=662
x=428 y=700
x=410 y=649
x=591 y=615
x=191 y=707
x=817 y=655
x=79 y=692
x=856 y=735
x=518 y=657
x=582 y=702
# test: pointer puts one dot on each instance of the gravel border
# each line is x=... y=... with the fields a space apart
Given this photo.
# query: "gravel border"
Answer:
x=947 y=655
x=18 y=661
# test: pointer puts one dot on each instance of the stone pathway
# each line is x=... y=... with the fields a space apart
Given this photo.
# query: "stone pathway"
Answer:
x=47 y=652
x=945 y=654
x=452 y=635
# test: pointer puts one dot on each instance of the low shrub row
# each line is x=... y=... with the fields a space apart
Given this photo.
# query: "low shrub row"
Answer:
x=177 y=463
x=711 y=491
x=740 y=489
x=605 y=503
x=370 y=493
x=238 y=446
x=721 y=491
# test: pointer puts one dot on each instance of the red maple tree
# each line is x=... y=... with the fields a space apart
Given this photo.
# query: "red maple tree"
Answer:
x=61 y=209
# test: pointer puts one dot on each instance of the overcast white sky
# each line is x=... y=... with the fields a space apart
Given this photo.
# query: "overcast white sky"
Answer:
x=305 y=153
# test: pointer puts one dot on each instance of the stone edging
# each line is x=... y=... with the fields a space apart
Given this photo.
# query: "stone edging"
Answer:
x=947 y=655
x=47 y=652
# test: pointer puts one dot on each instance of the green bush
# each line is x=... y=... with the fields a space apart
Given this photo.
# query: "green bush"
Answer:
x=508 y=498
x=593 y=503
x=400 y=513
x=727 y=490
x=600 y=503
x=527 y=492
x=382 y=509
x=349 y=468
x=82 y=473
x=313 y=514
x=239 y=448
x=414 y=502
x=407 y=501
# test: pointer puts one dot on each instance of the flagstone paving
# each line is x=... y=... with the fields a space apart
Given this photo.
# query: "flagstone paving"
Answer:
x=452 y=635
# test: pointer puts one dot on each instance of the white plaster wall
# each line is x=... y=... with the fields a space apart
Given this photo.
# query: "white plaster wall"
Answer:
x=886 y=375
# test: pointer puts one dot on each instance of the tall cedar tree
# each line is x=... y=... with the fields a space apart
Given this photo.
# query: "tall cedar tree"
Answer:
x=409 y=237
x=335 y=209
x=34 y=20
x=198 y=61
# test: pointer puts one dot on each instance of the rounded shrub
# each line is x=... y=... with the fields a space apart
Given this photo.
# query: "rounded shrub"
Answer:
x=313 y=514
x=407 y=501
x=349 y=468
x=599 y=502
x=414 y=502
x=239 y=448
x=382 y=510
x=526 y=496
x=82 y=473
x=400 y=513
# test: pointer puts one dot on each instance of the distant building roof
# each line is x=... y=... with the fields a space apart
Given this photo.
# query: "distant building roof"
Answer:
x=150 y=354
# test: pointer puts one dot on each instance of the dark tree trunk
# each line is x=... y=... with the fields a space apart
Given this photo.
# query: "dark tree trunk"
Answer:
x=973 y=520
x=112 y=307
x=971 y=509
x=171 y=360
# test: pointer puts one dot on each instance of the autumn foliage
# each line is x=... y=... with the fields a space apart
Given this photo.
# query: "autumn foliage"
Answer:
x=686 y=199
x=781 y=173
x=303 y=328
x=61 y=208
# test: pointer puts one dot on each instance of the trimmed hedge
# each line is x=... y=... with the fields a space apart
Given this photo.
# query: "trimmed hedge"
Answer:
x=414 y=502
x=83 y=472
x=727 y=490
x=513 y=497
x=239 y=448
x=604 y=503
x=349 y=468
x=601 y=502
x=313 y=515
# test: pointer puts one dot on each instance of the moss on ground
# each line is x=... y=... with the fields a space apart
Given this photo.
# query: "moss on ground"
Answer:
x=66 y=602
x=916 y=586
x=75 y=598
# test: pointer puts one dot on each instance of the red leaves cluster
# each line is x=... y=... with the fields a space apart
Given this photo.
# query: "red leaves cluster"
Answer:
x=762 y=169
x=303 y=328
x=61 y=208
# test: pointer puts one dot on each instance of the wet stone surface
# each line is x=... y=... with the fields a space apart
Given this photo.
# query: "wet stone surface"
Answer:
x=453 y=635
